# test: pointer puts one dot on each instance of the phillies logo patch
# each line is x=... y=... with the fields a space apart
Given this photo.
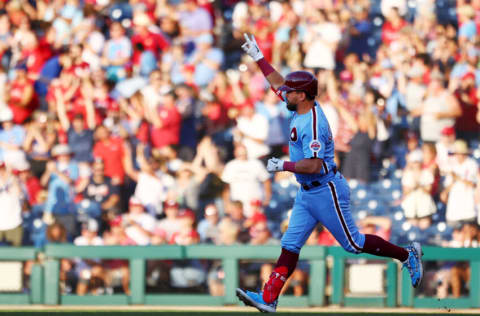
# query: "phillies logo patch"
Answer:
x=293 y=134
x=315 y=146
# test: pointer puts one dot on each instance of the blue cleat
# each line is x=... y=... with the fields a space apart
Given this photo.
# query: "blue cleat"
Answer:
x=255 y=299
x=414 y=263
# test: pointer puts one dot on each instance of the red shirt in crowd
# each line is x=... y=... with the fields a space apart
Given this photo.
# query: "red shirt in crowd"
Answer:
x=153 y=42
x=111 y=152
x=390 y=32
x=17 y=90
x=33 y=187
x=169 y=132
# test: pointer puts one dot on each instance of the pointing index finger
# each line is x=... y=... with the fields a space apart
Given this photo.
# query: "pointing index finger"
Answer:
x=246 y=37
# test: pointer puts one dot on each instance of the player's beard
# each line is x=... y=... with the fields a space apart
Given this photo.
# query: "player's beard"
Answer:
x=291 y=106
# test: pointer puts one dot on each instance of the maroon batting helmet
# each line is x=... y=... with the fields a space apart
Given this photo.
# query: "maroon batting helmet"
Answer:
x=300 y=81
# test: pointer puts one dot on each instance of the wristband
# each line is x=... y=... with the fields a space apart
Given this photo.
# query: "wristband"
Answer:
x=289 y=166
x=265 y=67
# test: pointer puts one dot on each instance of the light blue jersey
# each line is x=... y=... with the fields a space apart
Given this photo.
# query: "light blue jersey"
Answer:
x=311 y=137
x=323 y=197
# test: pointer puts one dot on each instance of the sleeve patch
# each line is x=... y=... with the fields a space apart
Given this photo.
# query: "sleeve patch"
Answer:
x=315 y=146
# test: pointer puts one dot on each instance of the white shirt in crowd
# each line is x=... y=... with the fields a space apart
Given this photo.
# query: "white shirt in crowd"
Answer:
x=256 y=127
x=245 y=178
x=145 y=221
x=151 y=192
x=10 y=200
x=461 y=198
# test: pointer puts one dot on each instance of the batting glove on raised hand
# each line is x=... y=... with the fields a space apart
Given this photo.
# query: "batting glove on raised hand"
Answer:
x=275 y=164
x=251 y=47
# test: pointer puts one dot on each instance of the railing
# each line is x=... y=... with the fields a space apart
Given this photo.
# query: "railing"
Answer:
x=45 y=279
x=137 y=257
x=36 y=278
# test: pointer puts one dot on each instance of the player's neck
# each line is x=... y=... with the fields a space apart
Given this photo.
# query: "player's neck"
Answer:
x=305 y=107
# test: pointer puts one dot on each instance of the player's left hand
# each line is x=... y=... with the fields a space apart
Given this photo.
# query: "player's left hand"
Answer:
x=275 y=164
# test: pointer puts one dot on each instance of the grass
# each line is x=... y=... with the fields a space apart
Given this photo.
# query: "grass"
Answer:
x=58 y=312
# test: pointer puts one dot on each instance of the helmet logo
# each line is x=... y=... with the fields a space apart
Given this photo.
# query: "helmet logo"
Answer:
x=315 y=146
x=293 y=134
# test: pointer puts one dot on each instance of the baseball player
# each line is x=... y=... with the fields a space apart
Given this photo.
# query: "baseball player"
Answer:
x=324 y=193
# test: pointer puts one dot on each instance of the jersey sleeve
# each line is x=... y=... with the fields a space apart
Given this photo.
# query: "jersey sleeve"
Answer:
x=313 y=144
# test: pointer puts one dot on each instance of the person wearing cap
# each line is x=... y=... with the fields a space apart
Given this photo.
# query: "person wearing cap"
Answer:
x=413 y=88
x=150 y=184
x=11 y=195
x=206 y=58
x=467 y=26
x=443 y=147
x=466 y=125
x=59 y=177
x=111 y=150
x=208 y=227
x=12 y=137
x=149 y=41
x=21 y=98
x=116 y=53
x=88 y=269
x=460 y=182
x=39 y=140
x=323 y=194
x=80 y=139
x=139 y=225
x=28 y=181
x=438 y=110
x=247 y=179
x=172 y=223
x=166 y=121
x=99 y=191
x=417 y=203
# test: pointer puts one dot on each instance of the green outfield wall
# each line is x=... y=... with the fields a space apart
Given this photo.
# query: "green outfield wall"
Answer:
x=44 y=281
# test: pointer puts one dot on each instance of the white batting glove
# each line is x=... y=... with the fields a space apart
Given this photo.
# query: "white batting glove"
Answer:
x=251 y=47
x=274 y=165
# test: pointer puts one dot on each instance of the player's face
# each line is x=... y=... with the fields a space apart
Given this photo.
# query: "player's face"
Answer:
x=292 y=100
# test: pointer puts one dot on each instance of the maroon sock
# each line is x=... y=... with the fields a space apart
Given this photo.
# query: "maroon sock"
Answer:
x=287 y=259
x=380 y=247
x=286 y=264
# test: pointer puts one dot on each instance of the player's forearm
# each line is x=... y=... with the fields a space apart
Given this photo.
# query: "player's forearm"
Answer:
x=274 y=78
x=306 y=166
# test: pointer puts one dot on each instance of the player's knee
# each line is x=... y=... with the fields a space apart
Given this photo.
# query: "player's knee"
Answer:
x=351 y=249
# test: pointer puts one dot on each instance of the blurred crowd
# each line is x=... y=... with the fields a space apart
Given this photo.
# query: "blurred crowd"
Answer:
x=140 y=122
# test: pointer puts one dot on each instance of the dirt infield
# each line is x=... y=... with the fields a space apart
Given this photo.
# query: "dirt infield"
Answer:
x=232 y=309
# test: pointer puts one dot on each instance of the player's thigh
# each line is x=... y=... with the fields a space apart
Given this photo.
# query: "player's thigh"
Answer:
x=334 y=213
x=300 y=226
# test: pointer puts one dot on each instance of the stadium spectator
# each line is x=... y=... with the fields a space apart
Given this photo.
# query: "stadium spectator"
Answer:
x=22 y=99
x=172 y=222
x=139 y=225
x=100 y=198
x=444 y=147
x=11 y=138
x=228 y=236
x=208 y=227
x=247 y=179
x=460 y=185
x=117 y=53
x=60 y=177
x=110 y=150
x=417 y=183
x=90 y=271
x=39 y=140
x=11 y=195
x=439 y=109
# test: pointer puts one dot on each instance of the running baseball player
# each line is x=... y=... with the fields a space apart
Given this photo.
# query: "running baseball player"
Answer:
x=324 y=194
